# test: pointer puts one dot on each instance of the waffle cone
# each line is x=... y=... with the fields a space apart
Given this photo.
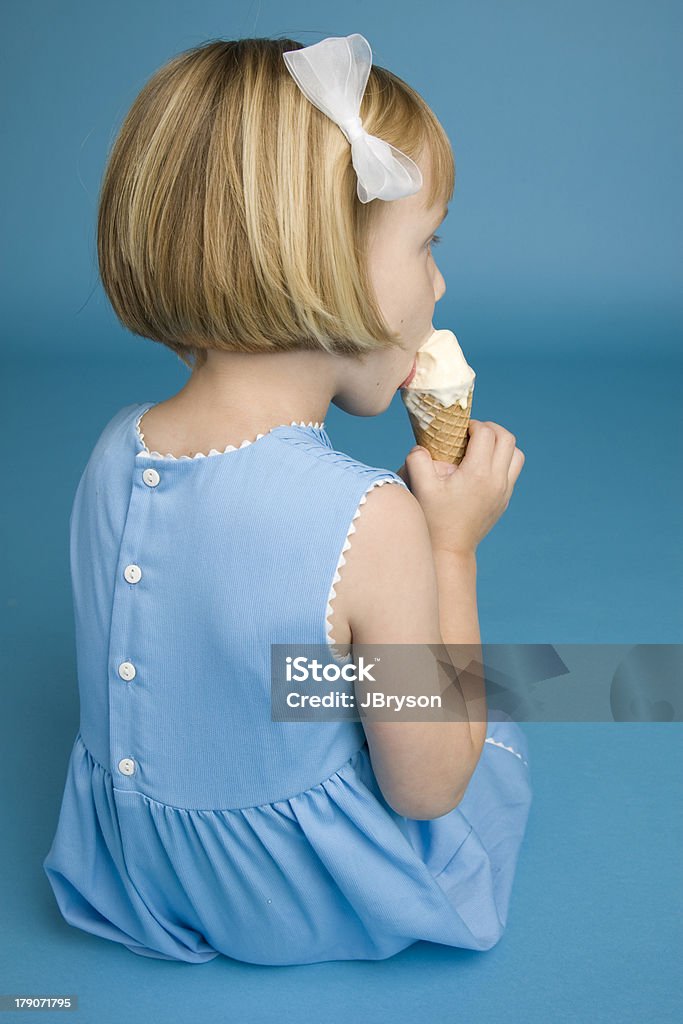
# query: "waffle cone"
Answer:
x=446 y=437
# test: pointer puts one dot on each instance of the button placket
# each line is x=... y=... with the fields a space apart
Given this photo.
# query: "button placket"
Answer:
x=119 y=706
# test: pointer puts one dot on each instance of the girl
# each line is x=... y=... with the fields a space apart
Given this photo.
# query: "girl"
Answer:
x=236 y=228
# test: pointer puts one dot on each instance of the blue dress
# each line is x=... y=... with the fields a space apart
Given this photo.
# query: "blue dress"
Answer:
x=191 y=823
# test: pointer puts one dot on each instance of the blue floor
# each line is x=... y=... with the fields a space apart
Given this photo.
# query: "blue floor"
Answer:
x=589 y=551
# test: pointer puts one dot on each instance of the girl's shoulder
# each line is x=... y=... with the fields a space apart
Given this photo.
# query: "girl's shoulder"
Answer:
x=337 y=462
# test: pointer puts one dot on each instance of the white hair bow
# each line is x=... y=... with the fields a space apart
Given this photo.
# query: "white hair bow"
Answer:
x=333 y=74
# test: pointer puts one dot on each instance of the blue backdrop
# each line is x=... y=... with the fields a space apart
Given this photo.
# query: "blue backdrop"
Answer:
x=562 y=258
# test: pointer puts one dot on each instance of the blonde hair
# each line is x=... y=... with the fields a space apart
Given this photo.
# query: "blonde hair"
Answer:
x=228 y=216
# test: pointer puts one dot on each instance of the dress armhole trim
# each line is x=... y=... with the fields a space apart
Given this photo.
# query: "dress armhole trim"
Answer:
x=497 y=743
x=347 y=544
x=335 y=649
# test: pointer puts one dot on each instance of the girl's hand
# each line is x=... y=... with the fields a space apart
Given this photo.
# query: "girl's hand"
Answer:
x=462 y=503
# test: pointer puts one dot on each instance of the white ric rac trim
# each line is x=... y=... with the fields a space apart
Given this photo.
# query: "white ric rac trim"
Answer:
x=347 y=544
x=497 y=743
x=213 y=451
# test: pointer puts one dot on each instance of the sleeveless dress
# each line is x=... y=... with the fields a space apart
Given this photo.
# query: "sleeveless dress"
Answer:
x=191 y=823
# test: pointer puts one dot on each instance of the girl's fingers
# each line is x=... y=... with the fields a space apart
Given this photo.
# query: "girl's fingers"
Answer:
x=481 y=444
x=504 y=462
x=518 y=459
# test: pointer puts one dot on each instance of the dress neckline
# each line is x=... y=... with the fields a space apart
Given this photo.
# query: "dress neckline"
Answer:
x=316 y=429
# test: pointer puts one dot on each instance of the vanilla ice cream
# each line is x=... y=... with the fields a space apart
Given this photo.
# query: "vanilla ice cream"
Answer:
x=442 y=372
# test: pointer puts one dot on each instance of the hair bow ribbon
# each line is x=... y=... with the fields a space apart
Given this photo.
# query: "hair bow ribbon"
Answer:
x=333 y=75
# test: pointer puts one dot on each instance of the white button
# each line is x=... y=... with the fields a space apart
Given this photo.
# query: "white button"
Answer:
x=133 y=573
x=127 y=670
x=127 y=766
x=151 y=477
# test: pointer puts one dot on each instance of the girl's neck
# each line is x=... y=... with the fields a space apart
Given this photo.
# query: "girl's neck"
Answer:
x=255 y=392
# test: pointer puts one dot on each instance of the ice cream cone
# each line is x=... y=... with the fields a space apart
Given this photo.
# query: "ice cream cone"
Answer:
x=434 y=394
x=445 y=436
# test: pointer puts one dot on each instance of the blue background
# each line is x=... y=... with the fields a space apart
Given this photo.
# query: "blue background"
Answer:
x=562 y=258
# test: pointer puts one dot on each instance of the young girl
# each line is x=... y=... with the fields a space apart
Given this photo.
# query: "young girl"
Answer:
x=287 y=269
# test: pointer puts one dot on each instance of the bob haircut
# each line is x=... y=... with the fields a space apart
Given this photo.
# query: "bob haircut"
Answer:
x=228 y=217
